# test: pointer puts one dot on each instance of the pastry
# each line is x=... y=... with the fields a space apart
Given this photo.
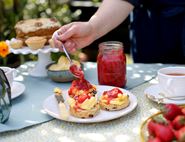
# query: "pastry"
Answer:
x=16 y=43
x=35 y=42
x=84 y=106
x=114 y=99
x=80 y=87
x=51 y=43
x=36 y=27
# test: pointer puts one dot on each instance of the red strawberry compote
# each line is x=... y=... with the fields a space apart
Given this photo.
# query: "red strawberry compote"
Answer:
x=76 y=71
x=81 y=87
x=111 y=63
x=112 y=94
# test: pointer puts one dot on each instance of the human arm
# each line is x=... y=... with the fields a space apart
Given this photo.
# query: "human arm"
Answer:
x=109 y=15
x=80 y=34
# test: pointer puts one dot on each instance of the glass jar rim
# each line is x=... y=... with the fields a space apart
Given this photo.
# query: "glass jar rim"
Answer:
x=111 y=43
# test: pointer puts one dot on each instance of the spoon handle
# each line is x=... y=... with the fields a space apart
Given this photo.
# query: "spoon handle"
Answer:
x=55 y=35
x=68 y=57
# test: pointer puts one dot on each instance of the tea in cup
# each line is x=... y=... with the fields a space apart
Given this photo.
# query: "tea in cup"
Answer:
x=10 y=74
x=172 y=82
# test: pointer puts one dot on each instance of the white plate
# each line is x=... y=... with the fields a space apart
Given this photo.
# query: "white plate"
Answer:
x=152 y=92
x=51 y=107
x=17 y=89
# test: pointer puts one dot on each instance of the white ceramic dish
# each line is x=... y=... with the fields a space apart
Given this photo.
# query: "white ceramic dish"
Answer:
x=26 y=50
x=51 y=107
x=39 y=70
x=153 y=93
x=17 y=89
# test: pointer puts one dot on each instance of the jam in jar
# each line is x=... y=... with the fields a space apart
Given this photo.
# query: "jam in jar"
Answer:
x=111 y=62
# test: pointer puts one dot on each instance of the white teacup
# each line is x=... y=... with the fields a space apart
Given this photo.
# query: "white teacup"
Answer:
x=10 y=74
x=172 y=82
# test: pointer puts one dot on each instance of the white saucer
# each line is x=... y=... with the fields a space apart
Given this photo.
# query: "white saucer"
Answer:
x=152 y=92
x=17 y=89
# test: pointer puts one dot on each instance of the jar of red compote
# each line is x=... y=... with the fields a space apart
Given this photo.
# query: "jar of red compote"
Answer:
x=111 y=64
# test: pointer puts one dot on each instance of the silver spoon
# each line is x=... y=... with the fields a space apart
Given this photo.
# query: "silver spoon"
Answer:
x=78 y=73
x=55 y=35
x=68 y=57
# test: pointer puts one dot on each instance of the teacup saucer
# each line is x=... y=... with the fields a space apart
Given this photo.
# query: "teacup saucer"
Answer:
x=153 y=93
x=17 y=89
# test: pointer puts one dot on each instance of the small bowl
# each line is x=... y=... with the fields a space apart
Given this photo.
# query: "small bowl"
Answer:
x=60 y=75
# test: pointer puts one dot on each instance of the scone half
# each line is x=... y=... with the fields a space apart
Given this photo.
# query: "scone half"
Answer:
x=84 y=106
x=112 y=107
x=85 y=113
x=113 y=100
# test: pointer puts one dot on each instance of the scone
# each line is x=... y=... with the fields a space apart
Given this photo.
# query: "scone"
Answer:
x=114 y=99
x=51 y=43
x=16 y=43
x=35 y=42
x=84 y=106
x=80 y=87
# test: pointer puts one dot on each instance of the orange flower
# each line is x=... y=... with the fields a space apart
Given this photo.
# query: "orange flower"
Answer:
x=4 y=49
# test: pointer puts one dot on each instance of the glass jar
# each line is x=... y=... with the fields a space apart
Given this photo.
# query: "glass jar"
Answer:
x=5 y=98
x=111 y=64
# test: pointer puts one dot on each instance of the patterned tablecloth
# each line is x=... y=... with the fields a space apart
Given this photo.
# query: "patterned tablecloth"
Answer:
x=124 y=129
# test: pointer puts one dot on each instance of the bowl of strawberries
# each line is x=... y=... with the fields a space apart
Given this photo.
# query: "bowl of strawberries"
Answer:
x=165 y=126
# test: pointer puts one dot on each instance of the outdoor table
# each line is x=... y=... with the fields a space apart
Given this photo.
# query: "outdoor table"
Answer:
x=124 y=129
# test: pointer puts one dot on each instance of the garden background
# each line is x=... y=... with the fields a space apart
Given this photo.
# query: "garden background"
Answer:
x=66 y=11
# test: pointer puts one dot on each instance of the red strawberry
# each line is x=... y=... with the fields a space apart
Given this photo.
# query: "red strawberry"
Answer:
x=151 y=127
x=164 y=132
x=178 y=122
x=183 y=111
x=82 y=98
x=170 y=111
x=156 y=139
x=180 y=134
x=159 y=119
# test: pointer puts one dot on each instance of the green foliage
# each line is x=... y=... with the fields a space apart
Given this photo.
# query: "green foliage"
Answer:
x=95 y=1
x=12 y=11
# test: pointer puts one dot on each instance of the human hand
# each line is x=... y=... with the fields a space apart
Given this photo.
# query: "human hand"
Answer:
x=74 y=36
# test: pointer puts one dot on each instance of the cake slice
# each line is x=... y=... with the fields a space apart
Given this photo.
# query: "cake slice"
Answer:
x=36 y=27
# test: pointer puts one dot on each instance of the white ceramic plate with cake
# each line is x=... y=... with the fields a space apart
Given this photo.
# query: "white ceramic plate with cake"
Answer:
x=50 y=105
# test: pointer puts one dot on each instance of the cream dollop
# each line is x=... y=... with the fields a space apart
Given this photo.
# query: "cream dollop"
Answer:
x=87 y=104
x=121 y=99
x=63 y=64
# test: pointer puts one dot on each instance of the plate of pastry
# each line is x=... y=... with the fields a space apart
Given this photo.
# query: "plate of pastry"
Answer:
x=34 y=36
x=87 y=103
